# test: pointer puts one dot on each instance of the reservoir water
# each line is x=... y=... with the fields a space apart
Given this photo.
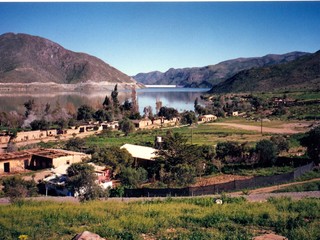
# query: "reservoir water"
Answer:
x=179 y=98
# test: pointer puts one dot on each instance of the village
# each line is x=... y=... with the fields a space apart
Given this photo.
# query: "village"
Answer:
x=58 y=160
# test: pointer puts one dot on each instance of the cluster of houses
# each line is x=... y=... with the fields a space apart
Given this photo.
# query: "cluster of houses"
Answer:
x=94 y=127
x=58 y=161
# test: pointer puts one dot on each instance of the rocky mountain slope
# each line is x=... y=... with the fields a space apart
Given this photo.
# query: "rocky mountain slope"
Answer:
x=213 y=74
x=30 y=59
x=302 y=73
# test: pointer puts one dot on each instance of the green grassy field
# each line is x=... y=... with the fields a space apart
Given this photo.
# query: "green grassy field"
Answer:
x=200 y=135
x=190 y=218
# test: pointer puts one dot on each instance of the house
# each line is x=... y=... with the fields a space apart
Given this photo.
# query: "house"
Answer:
x=143 y=123
x=34 y=135
x=38 y=159
x=143 y=156
x=207 y=118
x=56 y=183
x=14 y=162
x=49 y=158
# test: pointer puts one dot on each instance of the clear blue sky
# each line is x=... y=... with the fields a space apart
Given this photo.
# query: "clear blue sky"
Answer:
x=147 y=36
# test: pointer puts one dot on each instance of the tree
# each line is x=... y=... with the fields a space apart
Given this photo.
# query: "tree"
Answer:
x=115 y=101
x=41 y=124
x=75 y=144
x=126 y=126
x=281 y=143
x=312 y=142
x=227 y=151
x=107 y=104
x=177 y=161
x=16 y=188
x=113 y=157
x=29 y=105
x=82 y=181
x=168 y=113
x=133 y=178
x=188 y=117
x=103 y=115
x=85 y=113
x=267 y=152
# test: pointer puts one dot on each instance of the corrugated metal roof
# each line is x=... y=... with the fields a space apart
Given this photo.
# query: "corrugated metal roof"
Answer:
x=142 y=152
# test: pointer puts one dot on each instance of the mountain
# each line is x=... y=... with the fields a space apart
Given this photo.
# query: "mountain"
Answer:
x=213 y=74
x=29 y=59
x=302 y=73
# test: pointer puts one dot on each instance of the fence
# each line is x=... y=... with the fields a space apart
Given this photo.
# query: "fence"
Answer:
x=235 y=185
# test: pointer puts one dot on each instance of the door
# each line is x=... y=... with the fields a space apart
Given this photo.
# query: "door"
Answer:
x=6 y=167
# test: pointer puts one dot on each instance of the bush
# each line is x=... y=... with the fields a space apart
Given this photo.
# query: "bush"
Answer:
x=17 y=189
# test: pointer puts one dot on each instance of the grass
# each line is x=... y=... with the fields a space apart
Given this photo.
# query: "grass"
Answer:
x=311 y=186
x=267 y=171
x=309 y=175
x=203 y=134
x=187 y=218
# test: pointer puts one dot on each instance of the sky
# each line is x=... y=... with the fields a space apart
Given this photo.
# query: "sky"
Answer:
x=137 y=37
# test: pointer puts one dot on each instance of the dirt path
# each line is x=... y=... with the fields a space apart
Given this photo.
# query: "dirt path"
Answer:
x=283 y=129
x=262 y=194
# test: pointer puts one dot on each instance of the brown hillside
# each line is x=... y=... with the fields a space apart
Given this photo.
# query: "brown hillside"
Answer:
x=28 y=59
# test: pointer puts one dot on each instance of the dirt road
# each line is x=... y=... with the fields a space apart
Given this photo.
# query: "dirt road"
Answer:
x=290 y=128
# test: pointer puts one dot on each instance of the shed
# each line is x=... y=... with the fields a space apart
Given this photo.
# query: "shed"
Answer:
x=143 y=156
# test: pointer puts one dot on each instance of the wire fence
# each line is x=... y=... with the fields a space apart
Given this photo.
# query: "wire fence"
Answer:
x=236 y=185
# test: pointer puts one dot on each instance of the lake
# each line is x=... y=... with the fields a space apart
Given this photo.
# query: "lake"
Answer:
x=179 y=98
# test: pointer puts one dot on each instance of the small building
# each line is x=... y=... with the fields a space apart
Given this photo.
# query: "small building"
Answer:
x=235 y=114
x=56 y=183
x=143 y=156
x=207 y=118
x=142 y=123
x=14 y=162
x=38 y=159
x=49 y=158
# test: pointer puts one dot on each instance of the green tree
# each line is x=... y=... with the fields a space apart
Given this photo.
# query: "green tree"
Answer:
x=107 y=104
x=267 y=152
x=312 y=142
x=112 y=157
x=75 y=144
x=281 y=142
x=126 y=126
x=168 y=113
x=177 y=161
x=41 y=124
x=133 y=178
x=82 y=180
x=115 y=101
x=103 y=115
x=188 y=117
x=85 y=113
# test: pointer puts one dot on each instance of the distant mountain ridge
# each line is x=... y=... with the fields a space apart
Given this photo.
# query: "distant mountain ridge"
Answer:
x=302 y=73
x=28 y=59
x=213 y=74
